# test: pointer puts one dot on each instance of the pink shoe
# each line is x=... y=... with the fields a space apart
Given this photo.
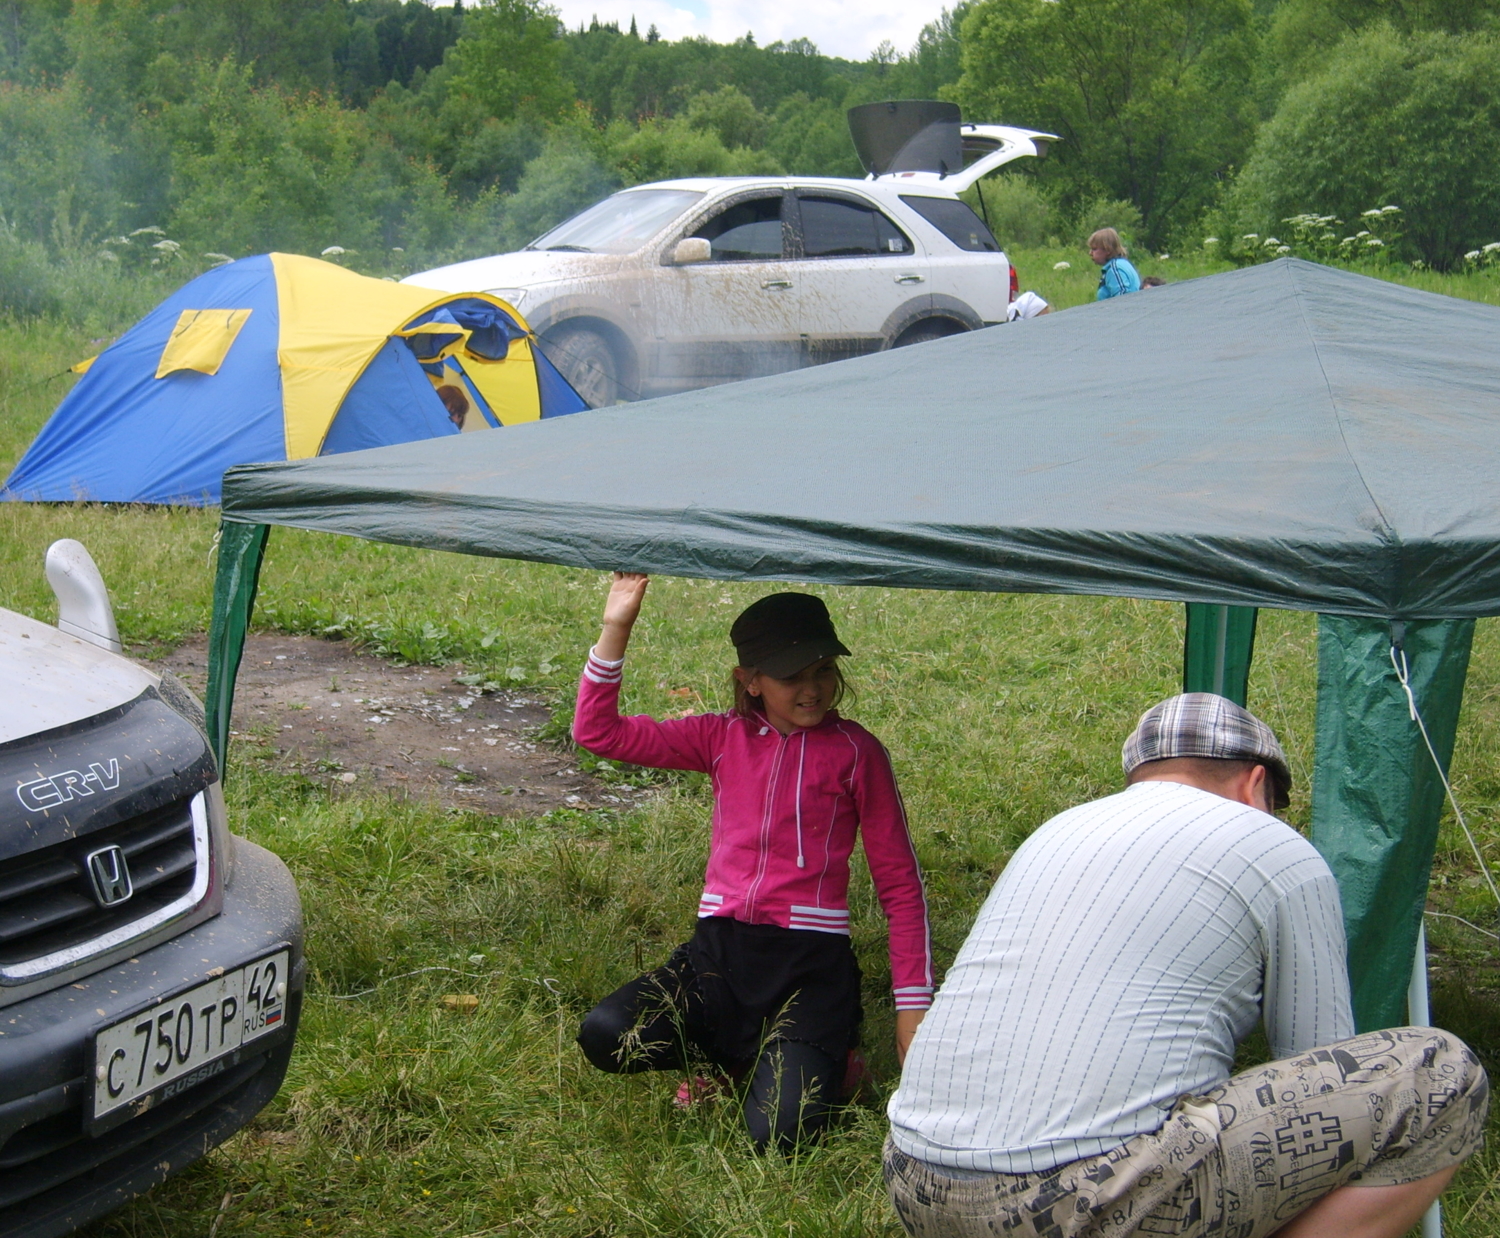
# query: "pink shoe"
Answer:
x=700 y=1090
x=856 y=1074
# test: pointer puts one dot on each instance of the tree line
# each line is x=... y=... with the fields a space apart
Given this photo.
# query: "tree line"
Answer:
x=147 y=133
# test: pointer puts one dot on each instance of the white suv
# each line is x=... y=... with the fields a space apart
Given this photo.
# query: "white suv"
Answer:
x=687 y=283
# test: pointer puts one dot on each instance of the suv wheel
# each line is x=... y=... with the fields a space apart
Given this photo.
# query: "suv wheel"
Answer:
x=931 y=329
x=586 y=360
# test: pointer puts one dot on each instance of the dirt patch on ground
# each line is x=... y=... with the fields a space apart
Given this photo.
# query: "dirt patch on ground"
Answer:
x=359 y=723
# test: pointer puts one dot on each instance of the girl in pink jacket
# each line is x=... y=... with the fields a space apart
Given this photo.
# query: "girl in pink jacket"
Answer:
x=768 y=986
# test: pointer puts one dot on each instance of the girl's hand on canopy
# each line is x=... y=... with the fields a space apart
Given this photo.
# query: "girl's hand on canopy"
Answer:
x=626 y=591
x=621 y=609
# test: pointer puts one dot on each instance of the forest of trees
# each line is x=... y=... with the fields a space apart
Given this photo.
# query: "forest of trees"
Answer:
x=154 y=132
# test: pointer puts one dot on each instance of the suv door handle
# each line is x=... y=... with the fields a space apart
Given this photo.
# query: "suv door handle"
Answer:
x=908 y=279
x=776 y=283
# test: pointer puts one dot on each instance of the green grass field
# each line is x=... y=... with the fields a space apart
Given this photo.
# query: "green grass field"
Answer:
x=401 y=1117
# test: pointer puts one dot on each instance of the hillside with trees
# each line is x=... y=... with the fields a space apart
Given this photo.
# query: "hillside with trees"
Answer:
x=164 y=135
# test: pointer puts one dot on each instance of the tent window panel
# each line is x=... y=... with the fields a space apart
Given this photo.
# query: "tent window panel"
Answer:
x=201 y=340
x=509 y=387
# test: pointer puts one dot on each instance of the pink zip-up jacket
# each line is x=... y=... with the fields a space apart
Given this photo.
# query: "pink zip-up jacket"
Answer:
x=787 y=809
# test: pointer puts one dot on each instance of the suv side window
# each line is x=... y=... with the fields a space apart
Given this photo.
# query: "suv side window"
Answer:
x=747 y=231
x=840 y=228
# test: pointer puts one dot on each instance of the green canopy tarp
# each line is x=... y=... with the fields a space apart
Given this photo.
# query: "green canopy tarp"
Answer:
x=1285 y=435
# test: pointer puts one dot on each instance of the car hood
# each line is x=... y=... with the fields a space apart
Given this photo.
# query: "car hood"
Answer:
x=49 y=679
x=523 y=269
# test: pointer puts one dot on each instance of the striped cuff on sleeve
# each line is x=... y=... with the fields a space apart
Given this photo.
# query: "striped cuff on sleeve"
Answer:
x=914 y=997
x=598 y=670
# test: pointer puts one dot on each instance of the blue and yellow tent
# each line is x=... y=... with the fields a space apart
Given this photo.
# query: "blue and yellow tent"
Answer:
x=280 y=357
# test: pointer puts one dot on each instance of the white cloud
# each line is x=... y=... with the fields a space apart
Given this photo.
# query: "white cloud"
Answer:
x=838 y=27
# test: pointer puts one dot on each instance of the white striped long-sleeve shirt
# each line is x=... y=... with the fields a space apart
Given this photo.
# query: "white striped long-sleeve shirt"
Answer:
x=1125 y=950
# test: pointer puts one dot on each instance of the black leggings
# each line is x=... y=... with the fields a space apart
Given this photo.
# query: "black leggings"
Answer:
x=648 y=1024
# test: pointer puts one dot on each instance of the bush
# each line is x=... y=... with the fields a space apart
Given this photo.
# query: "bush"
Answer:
x=1407 y=121
x=1118 y=214
x=662 y=150
x=1151 y=98
x=26 y=281
x=810 y=137
x=59 y=173
x=561 y=181
x=1019 y=214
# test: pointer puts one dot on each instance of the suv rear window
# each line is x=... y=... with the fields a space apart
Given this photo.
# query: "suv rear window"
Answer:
x=955 y=221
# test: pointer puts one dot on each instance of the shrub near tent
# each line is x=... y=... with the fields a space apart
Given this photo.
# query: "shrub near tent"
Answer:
x=280 y=357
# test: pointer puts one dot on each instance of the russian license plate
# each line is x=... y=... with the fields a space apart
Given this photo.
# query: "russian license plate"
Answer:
x=174 y=1044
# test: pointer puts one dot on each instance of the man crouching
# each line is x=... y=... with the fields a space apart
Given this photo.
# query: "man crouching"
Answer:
x=1073 y=1075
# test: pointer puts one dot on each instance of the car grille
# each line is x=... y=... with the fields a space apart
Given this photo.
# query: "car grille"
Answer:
x=47 y=902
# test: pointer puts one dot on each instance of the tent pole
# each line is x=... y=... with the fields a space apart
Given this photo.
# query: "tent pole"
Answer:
x=1418 y=1014
x=241 y=549
x=1377 y=796
x=1217 y=650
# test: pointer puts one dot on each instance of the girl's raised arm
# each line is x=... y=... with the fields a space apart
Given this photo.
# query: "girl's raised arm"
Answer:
x=621 y=609
x=677 y=743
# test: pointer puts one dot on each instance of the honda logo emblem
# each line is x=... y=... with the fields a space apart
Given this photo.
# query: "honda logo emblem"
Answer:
x=109 y=875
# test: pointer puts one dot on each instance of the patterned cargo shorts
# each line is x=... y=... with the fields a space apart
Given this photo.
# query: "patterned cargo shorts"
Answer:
x=1379 y=1109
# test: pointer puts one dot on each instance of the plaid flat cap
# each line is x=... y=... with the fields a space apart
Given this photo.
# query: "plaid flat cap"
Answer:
x=1200 y=724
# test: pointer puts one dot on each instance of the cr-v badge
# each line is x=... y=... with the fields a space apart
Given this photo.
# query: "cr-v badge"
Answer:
x=59 y=788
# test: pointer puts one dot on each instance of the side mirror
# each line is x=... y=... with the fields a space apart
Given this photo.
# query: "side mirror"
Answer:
x=83 y=608
x=690 y=250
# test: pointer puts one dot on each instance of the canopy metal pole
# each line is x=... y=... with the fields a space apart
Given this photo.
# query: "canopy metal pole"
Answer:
x=1419 y=1014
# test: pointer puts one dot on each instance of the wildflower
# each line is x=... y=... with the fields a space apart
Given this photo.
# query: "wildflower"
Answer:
x=117 y=240
x=1361 y=234
x=1283 y=251
x=333 y=251
x=219 y=259
x=1251 y=236
x=1270 y=242
x=1374 y=213
x=109 y=255
x=1062 y=266
x=396 y=249
x=167 y=247
x=1390 y=210
x=1210 y=240
x=1473 y=256
x=1492 y=247
x=1375 y=243
x=151 y=230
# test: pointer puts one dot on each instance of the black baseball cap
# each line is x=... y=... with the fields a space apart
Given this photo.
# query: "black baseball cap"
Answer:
x=785 y=633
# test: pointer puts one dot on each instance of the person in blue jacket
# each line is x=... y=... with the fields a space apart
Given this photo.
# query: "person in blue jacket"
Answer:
x=1116 y=275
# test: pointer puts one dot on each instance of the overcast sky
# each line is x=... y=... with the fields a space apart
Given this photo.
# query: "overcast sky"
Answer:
x=838 y=27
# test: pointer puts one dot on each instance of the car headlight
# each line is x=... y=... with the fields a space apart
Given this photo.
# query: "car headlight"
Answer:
x=513 y=296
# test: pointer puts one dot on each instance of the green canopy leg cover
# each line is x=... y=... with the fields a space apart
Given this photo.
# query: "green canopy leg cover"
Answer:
x=1376 y=795
x=1217 y=650
x=241 y=548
